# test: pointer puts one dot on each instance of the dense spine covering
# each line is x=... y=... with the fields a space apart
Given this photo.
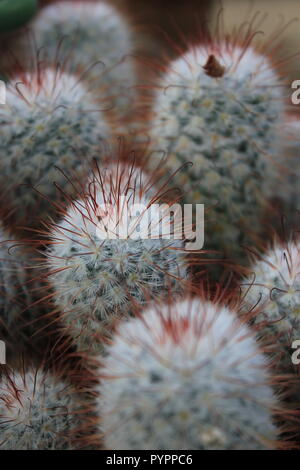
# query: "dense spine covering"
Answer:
x=272 y=291
x=185 y=376
x=97 y=38
x=38 y=411
x=49 y=125
x=219 y=107
x=98 y=274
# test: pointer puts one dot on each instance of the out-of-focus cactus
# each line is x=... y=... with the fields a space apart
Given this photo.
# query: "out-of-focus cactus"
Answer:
x=273 y=290
x=49 y=125
x=96 y=38
x=38 y=411
x=185 y=376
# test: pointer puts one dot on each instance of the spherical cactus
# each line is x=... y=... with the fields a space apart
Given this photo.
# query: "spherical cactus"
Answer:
x=272 y=292
x=101 y=259
x=49 y=123
x=219 y=107
x=38 y=411
x=185 y=376
x=96 y=37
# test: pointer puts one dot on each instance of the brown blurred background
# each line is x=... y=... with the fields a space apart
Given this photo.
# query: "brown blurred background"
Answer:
x=277 y=13
x=163 y=21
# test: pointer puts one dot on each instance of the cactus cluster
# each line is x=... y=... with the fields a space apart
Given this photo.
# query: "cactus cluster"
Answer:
x=96 y=38
x=186 y=376
x=220 y=108
x=49 y=125
x=98 y=276
x=155 y=355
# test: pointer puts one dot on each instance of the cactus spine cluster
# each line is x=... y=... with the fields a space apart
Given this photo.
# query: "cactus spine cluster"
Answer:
x=219 y=108
x=97 y=278
x=37 y=411
x=273 y=290
x=185 y=376
x=48 y=124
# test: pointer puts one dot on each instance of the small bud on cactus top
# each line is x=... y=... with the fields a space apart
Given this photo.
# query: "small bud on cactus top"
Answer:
x=49 y=122
x=96 y=37
x=273 y=291
x=38 y=411
x=185 y=376
x=99 y=269
x=219 y=107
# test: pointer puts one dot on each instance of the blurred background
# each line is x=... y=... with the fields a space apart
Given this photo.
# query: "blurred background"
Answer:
x=167 y=26
x=181 y=19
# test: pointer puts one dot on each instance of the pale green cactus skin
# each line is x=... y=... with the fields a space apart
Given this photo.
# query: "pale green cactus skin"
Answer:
x=96 y=38
x=273 y=290
x=49 y=125
x=185 y=376
x=37 y=412
x=227 y=127
x=97 y=280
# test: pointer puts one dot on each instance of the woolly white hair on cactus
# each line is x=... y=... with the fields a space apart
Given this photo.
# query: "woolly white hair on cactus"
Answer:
x=100 y=266
x=37 y=411
x=219 y=107
x=49 y=121
x=185 y=376
x=273 y=290
x=97 y=37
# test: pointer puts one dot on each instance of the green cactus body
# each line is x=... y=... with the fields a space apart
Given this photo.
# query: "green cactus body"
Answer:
x=15 y=13
x=185 y=376
x=273 y=289
x=224 y=119
x=97 y=280
x=48 y=124
x=37 y=412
